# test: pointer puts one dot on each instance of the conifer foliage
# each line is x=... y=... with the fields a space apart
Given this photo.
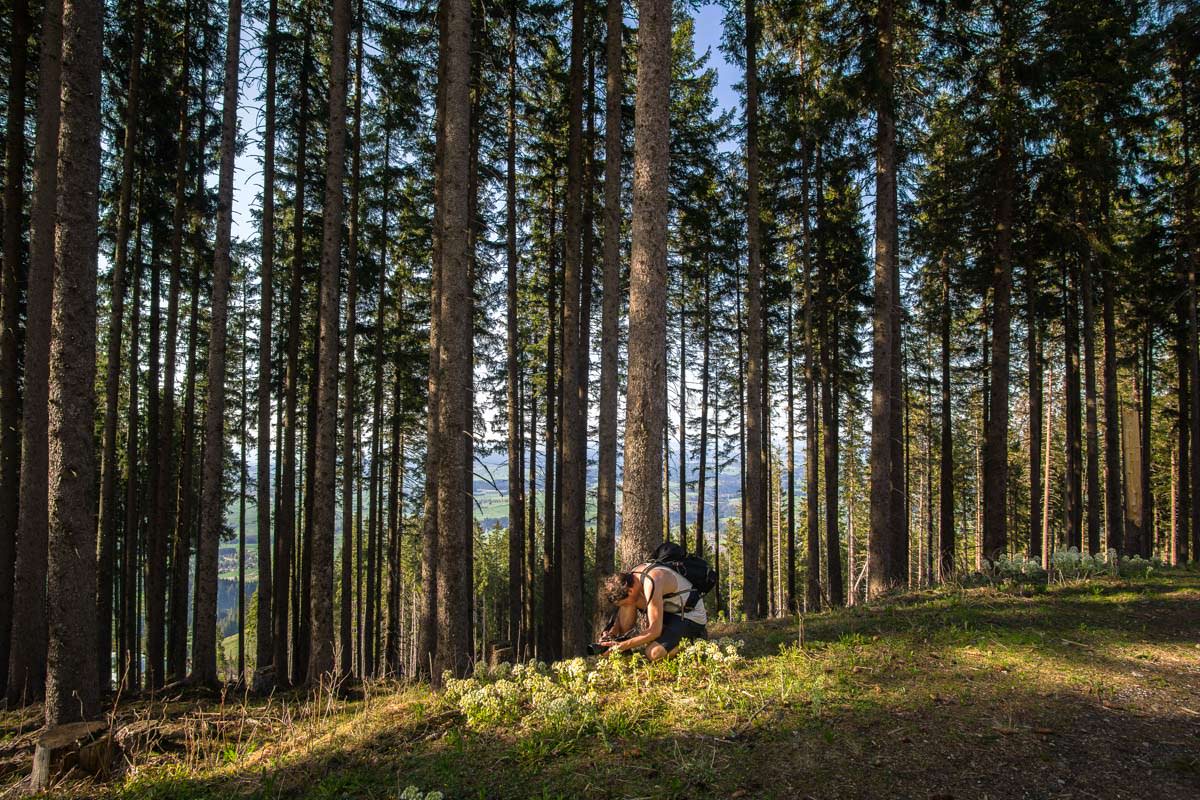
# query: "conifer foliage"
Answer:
x=845 y=297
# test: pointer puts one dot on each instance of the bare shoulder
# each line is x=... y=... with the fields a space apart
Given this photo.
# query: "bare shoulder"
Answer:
x=663 y=577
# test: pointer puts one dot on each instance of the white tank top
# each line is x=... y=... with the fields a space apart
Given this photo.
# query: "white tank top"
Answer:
x=674 y=603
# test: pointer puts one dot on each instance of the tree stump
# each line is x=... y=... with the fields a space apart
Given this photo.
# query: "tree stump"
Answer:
x=87 y=745
x=500 y=653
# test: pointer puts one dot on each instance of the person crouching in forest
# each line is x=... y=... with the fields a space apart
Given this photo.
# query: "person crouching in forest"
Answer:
x=674 y=610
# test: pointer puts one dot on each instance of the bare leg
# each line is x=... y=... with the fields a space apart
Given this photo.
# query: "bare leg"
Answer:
x=656 y=652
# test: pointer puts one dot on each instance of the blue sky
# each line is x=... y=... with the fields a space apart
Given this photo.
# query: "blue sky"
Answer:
x=248 y=180
x=708 y=35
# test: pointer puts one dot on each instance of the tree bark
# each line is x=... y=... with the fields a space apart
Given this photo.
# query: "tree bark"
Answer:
x=753 y=499
x=886 y=562
x=428 y=636
x=574 y=461
x=241 y=605
x=533 y=630
x=285 y=523
x=72 y=688
x=946 y=451
x=829 y=407
x=1074 y=477
x=995 y=464
x=610 y=311
x=265 y=643
x=1089 y=393
x=320 y=656
x=551 y=595
x=349 y=445
x=454 y=422
x=812 y=594
x=165 y=498
x=1113 y=515
x=374 y=519
x=112 y=380
x=212 y=507
x=11 y=340
x=516 y=478
x=129 y=654
x=26 y=677
x=1034 y=345
x=645 y=411
x=706 y=347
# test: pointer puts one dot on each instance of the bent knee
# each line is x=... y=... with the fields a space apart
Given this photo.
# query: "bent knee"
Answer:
x=656 y=652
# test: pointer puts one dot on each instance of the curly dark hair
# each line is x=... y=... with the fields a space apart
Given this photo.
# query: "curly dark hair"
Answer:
x=616 y=587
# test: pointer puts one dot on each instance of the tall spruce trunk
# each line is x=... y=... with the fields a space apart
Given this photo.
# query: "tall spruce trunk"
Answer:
x=374 y=520
x=534 y=631
x=26 y=676
x=456 y=347
x=1113 y=514
x=265 y=641
x=1191 y=354
x=610 y=310
x=153 y=542
x=812 y=593
x=12 y=278
x=754 y=497
x=1034 y=357
x=516 y=478
x=396 y=465
x=995 y=462
x=177 y=633
x=884 y=552
x=129 y=654
x=395 y=630
x=946 y=536
x=645 y=410
x=349 y=446
x=285 y=522
x=116 y=325
x=704 y=382
x=427 y=640
x=165 y=502
x=1074 y=476
x=573 y=468
x=72 y=687
x=1148 y=536
x=1092 y=430
x=241 y=601
x=551 y=597
x=212 y=507
x=683 y=537
x=830 y=367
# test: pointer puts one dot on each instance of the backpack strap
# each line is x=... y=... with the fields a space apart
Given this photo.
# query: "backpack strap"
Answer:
x=693 y=593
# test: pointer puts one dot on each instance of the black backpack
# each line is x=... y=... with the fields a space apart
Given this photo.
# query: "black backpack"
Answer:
x=702 y=577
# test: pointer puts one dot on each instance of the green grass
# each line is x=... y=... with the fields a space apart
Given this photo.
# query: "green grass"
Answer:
x=1085 y=690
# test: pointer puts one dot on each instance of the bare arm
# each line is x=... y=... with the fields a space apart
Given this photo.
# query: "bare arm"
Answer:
x=626 y=617
x=654 y=619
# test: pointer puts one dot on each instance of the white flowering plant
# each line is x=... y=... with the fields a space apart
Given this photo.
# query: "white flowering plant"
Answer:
x=1065 y=564
x=414 y=793
x=569 y=693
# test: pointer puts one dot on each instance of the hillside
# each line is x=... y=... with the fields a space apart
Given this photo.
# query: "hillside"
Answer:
x=1085 y=690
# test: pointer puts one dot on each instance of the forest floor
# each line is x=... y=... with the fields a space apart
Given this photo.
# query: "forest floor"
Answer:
x=1086 y=690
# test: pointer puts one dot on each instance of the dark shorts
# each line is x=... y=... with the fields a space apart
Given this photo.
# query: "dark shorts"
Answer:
x=675 y=629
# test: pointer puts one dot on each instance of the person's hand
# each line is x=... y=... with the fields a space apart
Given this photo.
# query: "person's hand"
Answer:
x=616 y=647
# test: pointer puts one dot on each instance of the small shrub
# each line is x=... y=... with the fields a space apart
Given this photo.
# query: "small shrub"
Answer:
x=567 y=696
x=1065 y=563
x=413 y=793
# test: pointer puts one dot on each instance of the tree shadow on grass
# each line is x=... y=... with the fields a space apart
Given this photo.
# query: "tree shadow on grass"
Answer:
x=977 y=696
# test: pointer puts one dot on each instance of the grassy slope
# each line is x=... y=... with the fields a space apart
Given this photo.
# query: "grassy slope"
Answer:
x=1089 y=690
